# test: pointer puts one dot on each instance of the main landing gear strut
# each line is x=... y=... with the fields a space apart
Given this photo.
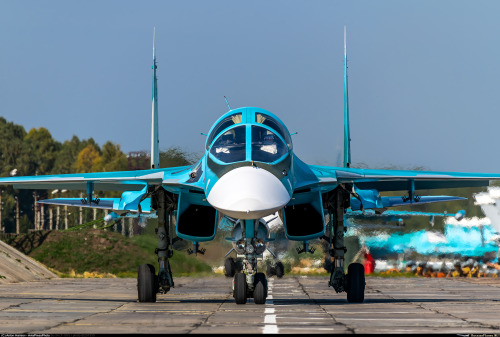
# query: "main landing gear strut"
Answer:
x=354 y=282
x=148 y=283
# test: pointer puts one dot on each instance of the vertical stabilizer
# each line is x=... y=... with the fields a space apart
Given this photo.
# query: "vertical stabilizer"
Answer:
x=347 y=133
x=155 y=151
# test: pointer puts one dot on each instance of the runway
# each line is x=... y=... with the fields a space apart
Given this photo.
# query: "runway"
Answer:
x=295 y=305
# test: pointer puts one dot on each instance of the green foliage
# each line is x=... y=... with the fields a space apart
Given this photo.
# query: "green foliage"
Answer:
x=181 y=263
x=94 y=250
x=13 y=150
x=112 y=158
x=175 y=156
x=89 y=160
x=41 y=150
x=37 y=153
x=66 y=157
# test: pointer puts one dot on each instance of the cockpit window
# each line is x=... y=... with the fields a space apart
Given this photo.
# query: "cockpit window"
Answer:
x=230 y=147
x=223 y=124
x=267 y=147
x=274 y=124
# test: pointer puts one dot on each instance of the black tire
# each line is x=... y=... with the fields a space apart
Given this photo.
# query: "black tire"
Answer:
x=355 y=283
x=146 y=283
x=280 y=270
x=328 y=264
x=240 y=288
x=259 y=294
x=230 y=267
x=260 y=288
x=238 y=266
x=270 y=270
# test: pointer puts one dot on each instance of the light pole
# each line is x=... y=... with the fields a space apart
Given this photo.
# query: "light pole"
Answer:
x=35 y=208
x=2 y=230
x=17 y=215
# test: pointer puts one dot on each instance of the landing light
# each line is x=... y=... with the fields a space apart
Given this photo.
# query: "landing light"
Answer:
x=240 y=246
x=260 y=246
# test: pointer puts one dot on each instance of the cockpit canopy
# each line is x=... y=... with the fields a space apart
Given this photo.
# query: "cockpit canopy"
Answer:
x=249 y=136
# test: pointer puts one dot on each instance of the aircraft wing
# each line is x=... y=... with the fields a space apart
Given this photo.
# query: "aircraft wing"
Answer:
x=398 y=180
x=106 y=181
x=133 y=184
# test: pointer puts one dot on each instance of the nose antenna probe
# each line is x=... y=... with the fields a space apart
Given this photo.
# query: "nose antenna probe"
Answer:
x=227 y=103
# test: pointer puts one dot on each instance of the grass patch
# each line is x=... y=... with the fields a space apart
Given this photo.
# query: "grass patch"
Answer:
x=181 y=263
x=100 y=253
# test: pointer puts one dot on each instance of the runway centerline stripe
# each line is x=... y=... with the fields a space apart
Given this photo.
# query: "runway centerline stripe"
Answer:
x=270 y=325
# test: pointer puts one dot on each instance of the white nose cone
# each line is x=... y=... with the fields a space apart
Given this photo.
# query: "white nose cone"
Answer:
x=248 y=193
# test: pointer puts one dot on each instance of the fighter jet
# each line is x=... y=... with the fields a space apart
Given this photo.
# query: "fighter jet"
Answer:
x=249 y=171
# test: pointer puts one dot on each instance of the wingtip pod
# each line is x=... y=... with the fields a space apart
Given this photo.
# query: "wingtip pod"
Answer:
x=111 y=216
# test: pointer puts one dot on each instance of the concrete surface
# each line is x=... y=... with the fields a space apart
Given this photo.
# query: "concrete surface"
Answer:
x=17 y=267
x=295 y=305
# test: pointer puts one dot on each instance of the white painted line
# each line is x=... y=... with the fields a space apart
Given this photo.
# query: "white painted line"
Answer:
x=269 y=311
x=270 y=325
x=270 y=328
x=270 y=319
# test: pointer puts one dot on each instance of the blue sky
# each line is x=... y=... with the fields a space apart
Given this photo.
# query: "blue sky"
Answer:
x=423 y=75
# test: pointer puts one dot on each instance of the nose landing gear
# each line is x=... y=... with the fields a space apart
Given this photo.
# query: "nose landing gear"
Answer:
x=250 y=286
x=240 y=288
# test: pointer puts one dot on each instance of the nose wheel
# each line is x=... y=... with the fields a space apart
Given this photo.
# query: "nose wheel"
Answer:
x=260 y=288
x=240 y=288
x=257 y=289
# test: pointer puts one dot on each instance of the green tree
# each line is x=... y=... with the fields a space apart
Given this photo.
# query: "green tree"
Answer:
x=89 y=160
x=113 y=159
x=67 y=156
x=175 y=156
x=42 y=150
x=13 y=154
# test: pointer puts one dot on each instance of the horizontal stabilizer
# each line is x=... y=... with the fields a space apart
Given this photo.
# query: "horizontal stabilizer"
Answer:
x=403 y=201
x=113 y=204
x=400 y=201
x=104 y=203
x=395 y=215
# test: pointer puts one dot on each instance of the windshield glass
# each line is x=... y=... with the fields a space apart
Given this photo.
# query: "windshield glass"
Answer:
x=223 y=124
x=274 y=124
x=230 y=147
x=266 y=146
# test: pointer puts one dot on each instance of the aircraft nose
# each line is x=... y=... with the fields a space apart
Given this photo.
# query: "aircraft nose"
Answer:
x=248 y=193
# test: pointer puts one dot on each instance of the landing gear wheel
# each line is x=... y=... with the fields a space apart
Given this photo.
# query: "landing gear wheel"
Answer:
x=270 y=271
x=355 y=283
x=280 y=270
x=230 y=267
x=240 y=288
x=260 y=289
x=146 y=283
